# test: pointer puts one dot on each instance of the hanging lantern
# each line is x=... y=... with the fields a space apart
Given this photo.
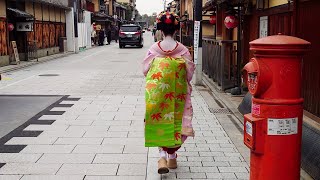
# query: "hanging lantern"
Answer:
x=10 y=27
x=213 y=19
x=231 y=22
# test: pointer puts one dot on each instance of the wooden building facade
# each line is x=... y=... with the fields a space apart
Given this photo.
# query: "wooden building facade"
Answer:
x=38 y=27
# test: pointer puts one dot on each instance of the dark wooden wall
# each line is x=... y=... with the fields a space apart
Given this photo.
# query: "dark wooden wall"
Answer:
x=308 y=29
x=47 y=34
x=281 y=20
x=281 y=23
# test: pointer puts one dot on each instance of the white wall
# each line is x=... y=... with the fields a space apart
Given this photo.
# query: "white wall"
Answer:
x=84 y=31
x=70 y=31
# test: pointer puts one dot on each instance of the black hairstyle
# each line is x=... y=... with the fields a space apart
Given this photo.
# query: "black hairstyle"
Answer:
x=168 y=23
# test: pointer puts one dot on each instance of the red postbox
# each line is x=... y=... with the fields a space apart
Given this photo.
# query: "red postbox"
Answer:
x=273 y=129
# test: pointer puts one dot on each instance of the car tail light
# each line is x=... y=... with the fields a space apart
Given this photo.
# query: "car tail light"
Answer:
x=137 y=33
x=121 y=33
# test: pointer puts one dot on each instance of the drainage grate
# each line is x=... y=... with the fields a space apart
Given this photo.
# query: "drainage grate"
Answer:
x=49 y=75
x=220 y=111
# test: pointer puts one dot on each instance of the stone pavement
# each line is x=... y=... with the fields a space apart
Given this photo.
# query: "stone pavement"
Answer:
x=101 y=135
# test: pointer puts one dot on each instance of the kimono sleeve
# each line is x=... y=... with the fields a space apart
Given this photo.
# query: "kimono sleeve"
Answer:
x=189 y=64
x=147 y=62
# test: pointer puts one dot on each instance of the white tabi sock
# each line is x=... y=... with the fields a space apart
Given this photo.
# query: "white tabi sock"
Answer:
x=163 y=154
x=172 y=156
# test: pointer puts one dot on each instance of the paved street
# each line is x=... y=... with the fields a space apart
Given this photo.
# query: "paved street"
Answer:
x=94 y=131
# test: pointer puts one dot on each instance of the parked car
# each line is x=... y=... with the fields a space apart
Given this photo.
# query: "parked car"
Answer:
x=130 y=34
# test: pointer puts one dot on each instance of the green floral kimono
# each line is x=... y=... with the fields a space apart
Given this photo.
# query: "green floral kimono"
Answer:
x=166 y=90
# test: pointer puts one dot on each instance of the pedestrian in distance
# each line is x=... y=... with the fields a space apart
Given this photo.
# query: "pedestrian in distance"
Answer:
x=109 y=34
x=93 y=37
x=116 y=33
x=101 y=37
x=168 y=69
x=154 y=31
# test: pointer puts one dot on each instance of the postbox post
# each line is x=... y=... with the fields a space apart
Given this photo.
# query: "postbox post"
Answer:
x=273 y=129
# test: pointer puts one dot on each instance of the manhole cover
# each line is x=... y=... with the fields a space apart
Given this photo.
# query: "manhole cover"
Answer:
x=220 y=111
x=49 y=75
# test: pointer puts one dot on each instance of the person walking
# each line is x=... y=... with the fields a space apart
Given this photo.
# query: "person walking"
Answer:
x=116 y=33
x=109 y=34
x=93 y=37
x=101 y=37
x=168 y=69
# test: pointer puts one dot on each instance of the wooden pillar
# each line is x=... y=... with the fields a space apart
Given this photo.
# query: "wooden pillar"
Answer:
x=219 y=23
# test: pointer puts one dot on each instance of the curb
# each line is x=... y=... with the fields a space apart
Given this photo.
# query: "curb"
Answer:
x=30 y=63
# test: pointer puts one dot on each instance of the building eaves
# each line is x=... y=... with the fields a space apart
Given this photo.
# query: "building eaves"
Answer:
x=56 y=3
x=211 y=4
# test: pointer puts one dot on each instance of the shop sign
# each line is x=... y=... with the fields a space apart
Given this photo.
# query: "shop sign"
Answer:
x=24 y=26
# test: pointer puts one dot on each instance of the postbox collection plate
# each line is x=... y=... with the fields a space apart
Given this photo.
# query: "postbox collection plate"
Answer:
x=286 y=126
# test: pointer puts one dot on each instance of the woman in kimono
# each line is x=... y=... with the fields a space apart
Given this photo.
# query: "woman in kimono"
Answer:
x=168 y=68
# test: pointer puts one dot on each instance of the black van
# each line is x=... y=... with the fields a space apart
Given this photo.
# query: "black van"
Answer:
x=130 y=34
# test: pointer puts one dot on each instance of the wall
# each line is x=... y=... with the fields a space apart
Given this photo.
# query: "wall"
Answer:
x=29 y=8
x=84 y=30
x=124 y=1
x=207 y=29
x=70 y=31
x=52 y=15
x=63 y=16
x=96 y=5
x=38 y=11
x=189 y=8
x=273 y=3
x=2 y=8
x=58 y=16
x=45 y=11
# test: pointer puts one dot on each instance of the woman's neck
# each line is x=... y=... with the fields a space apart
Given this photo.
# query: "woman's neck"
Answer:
x=168 y=43
x=168 y=38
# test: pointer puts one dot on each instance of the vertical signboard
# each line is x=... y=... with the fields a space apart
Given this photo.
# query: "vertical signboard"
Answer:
x=15 y=59
x=196 y=40
x=263 y=26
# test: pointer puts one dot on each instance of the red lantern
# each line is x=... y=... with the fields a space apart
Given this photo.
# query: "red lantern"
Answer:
x=231 y=22
x=10 y=27
x=213 y=19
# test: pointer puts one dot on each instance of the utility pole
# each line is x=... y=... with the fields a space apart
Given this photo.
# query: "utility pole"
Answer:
x=198 y=40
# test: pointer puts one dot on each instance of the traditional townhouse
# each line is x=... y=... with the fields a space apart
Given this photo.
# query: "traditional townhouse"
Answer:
x=36 y=27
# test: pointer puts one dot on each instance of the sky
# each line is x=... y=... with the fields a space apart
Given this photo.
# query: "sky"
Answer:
x=149 y=6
